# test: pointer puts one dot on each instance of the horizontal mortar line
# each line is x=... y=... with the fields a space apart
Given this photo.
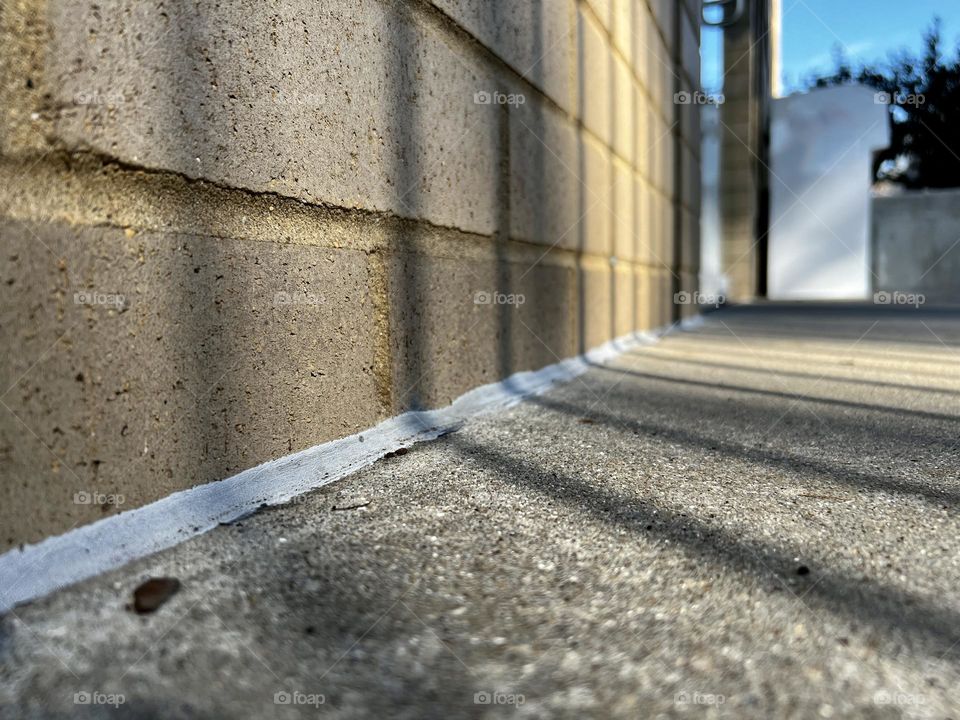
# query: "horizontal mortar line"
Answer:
x=108 y=160
x=324 y=215
x=557 y=256
x=64 y=162
x=39 y=569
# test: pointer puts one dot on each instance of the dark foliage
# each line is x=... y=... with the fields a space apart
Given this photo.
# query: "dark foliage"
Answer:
x=924 y=96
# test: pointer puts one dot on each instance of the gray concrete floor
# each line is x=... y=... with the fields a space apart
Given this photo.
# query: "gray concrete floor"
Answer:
x=758 y=519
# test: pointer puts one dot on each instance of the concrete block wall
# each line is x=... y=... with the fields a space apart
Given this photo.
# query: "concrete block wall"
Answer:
x=915 y=247
x=232 y=231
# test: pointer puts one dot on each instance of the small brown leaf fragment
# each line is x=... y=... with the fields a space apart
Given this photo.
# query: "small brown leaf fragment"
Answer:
x=153 y=593
x=587 y=421
x=352 y=505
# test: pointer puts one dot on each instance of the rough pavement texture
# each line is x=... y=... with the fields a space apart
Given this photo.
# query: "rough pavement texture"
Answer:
x=758 y=519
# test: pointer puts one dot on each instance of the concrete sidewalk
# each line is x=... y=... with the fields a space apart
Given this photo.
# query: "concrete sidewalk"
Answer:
x=755 y=520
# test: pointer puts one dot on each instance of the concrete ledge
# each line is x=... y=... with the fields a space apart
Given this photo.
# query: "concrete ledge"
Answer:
x=37 y=570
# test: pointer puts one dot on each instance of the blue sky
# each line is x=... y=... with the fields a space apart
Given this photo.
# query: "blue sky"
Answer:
x=867 y=29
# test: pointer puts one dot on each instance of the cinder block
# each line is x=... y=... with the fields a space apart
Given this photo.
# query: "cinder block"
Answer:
x=545 y=330
x=642 y=55
x=560 y=186
x=596 y=305
x=535 y=38
x=660 y=138
x=643 y=286
x=624 y=104
x=662 y=171
x=670 y=85
x=667 y=223
x=647 y=156
x=663 y=13
x=144 y=362
x=624 y=20
x=23 y=87
x=361 y=105
x=624 y=212
x=546 y=195
x=603 y=9
x=648 y=238
x=654 y=301
x=594 y=77
x=624 y=295
x=664 y=301
x=641 y=139
x=142 y=365
x=664 y=240
x=657 y=58
x=658 y=230
x=666 y=171
x=459 y=320
x=596 y=223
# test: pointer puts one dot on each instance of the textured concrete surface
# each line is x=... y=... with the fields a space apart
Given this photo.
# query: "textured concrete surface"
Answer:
x=456 y=325
x=915 y=245
x=533 y=38
x=754 y=520
x=594 y=74
x=547 y=201
x=139 y=364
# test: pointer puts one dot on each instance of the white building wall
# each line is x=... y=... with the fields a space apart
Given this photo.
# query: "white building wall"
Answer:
x=822 y=144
